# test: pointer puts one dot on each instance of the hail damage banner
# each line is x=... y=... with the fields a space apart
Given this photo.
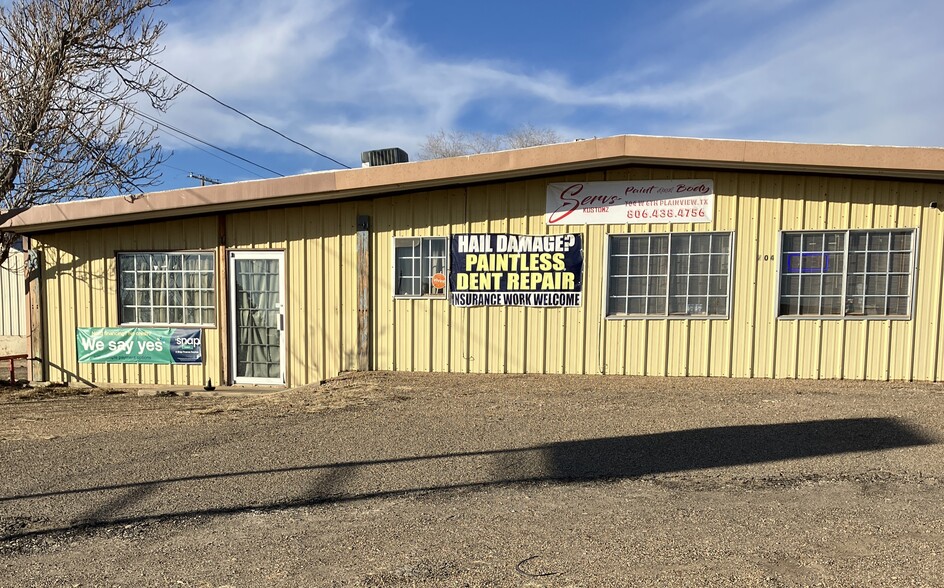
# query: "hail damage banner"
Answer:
x=494 y=269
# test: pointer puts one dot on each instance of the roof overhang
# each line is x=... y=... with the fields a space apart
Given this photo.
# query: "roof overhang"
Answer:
x=892 y=162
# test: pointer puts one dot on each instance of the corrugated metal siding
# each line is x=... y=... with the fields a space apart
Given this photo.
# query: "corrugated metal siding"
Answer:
x=430 y=335
x=86 y=295
x=12 y=299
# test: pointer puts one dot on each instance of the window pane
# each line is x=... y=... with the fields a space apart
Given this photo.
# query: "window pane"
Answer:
x=695 y=275
x=699 y=264
x=834 y=242
x=718 y=285
x=701 y=244
x=832 y=305
x=855 y=285
x=697 y=305
x=619 y=245
x=657 y=305
x=901 y=241
x=637 y=286
x=681 y=244
x=721 y=244
x=854 y=306
x=616 y=306
x=619 y=265
x=898 y=285
x=875 y=285
x=639 y=245
x=900 y=262
x=811 y=285
x=658 y=244
x=719 y=264
x=898 y=305
x=791 y=243
x=877 y=262
x=809 y=305
x=657 y=286
x=834 y=263
x=659 y=265
x=416 y=259
x=637 y=266
x=790 y=285
x=878 y=241
x=155 y=283
x=789 y=305
x=874 y=305
x=832 y=285
x=717 y=306
x=857 y=241
x=437 y=247
x=618 y=286
x=636 y=306
x=856 y=262
x=813 y=242
x=697 y=285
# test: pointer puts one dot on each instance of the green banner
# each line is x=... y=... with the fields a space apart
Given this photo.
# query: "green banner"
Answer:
x=139 y=345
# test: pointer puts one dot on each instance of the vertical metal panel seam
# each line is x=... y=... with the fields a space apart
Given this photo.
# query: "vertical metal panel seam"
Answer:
x=733 y=269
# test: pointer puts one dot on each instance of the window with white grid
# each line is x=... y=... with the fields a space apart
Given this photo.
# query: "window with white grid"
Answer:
x=416 y=261
x=166 y=288
x=669 y=275
x=847 y=273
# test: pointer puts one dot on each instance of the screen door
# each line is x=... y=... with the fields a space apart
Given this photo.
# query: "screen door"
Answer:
x=257 y=326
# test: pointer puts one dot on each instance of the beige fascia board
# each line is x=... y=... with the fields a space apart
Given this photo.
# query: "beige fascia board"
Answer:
x=892 y=162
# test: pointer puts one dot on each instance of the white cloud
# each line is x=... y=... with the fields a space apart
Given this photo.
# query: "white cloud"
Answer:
x=341 y=77
x=860 y=72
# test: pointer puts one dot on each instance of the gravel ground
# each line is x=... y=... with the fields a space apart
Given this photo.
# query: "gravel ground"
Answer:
x=447 y=480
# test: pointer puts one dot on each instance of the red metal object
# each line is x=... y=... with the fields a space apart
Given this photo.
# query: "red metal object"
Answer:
x=13 y=358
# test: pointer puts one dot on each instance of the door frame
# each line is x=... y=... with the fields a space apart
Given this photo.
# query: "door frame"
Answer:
x=231 y=258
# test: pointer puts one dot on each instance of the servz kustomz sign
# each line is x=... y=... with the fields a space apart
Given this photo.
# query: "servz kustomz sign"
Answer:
x=631 y=202
x=489 y=269
x=139 y=345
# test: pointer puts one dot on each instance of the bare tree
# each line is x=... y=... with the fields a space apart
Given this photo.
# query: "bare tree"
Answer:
x=457 y=143
x=71 y=71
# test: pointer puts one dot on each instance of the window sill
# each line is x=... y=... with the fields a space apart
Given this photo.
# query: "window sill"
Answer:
x=848 y=317
x=671 y=317
x=166 y=326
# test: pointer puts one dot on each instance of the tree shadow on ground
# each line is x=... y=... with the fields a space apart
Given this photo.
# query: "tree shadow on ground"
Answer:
x=609 y=458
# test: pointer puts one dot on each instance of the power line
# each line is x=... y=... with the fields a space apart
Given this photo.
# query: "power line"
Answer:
x=243 y=114
x=204 y=180
x=171 y=127
x=211 y=154
x=199 y=140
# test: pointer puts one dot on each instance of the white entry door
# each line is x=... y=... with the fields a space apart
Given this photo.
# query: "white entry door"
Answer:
x=257 y=316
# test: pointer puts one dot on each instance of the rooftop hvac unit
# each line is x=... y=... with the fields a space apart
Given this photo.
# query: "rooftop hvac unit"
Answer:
x=384 y=157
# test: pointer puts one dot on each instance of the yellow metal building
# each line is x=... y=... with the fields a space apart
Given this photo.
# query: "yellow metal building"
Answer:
x=826 y=263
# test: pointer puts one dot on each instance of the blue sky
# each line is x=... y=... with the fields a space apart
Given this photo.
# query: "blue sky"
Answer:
x=344 y=76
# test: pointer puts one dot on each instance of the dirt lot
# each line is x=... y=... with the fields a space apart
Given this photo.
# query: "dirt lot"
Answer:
x=435 y=480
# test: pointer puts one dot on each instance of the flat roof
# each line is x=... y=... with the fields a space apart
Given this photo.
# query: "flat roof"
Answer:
x=891 y=162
